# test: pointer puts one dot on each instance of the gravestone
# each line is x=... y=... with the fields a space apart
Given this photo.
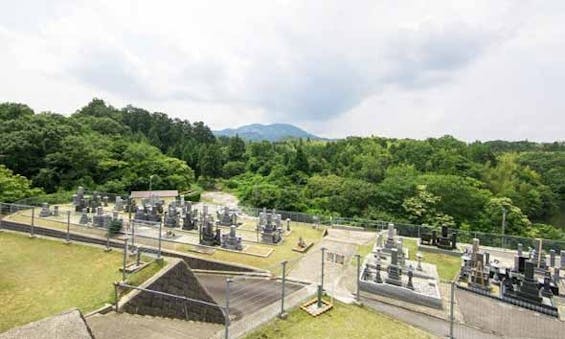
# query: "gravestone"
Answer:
x=445 y=240
x=189 y=221
x=394 y=271
x=84 y=217
x=232 y=241
x=288 y=224
x=528 y=291
x=171 y=219
x=209 y=236
x=118 y=206
x=105 y=200
x=562 y=259
x=99 y=219
x=551 y=258
x=44 y=210
x=270 y=232
x=226 y=218
x=55 y=211
x=390 y=237
x=140 y=214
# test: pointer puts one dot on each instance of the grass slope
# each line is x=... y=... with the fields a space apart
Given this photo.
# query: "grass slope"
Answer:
x=343 y=321
x=41 y=277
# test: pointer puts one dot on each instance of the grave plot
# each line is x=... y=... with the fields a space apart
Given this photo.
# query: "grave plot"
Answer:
x=388 y=272
x=531 y=282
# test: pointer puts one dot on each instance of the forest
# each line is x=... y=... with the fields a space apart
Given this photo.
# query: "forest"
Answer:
x=433 y=181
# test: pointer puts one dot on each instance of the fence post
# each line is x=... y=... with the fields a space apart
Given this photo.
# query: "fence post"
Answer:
x=227 y=323
x=1 y=213
x=283 y=314
x=358 y=296
x=160 y=231
x=108 y=249
x=125 y=258
x=132 y=234
x=68 y=238
x=322 y=282
x=451 y=304
x=32 y=233
x=116 y=296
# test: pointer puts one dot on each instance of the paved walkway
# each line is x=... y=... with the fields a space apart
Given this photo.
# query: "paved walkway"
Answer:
x=128 y=326
x=338 y=278
x=436 y=326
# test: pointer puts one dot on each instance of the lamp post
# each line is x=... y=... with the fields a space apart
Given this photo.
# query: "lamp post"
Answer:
x=503 y=224
x=151 y=181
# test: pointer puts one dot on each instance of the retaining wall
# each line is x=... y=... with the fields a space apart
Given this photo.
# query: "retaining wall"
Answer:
x=176 y=279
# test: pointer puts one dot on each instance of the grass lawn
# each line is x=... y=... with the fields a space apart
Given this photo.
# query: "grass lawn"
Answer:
x=42 y=277
x=343 y=321
x=447 y=265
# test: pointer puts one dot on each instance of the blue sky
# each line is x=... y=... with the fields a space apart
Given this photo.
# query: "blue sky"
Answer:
x=473 y=69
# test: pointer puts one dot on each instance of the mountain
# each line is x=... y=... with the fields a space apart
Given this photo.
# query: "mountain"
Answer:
x=273 y=132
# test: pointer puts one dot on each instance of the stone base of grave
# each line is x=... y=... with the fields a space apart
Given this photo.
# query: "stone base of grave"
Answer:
x=426 y=284
x=311 y=307
x=403 y=293
x=434 y=249
x=303 y=249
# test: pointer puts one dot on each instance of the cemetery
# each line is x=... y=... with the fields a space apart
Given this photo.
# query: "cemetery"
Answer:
x=409 y=270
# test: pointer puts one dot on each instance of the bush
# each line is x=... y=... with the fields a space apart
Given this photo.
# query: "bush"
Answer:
x=115 y=227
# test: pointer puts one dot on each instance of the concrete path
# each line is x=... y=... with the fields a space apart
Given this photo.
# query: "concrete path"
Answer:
x=127 y=326
x=435 y=326
x=339 y=279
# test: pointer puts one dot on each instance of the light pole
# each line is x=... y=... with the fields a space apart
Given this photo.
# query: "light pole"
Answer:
x=503 y=224
x=151 y=181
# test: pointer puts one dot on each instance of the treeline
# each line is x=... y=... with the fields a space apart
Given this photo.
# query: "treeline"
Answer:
x=433 y=181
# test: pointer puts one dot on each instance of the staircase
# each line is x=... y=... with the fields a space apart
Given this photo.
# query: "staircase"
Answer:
x=125 y=325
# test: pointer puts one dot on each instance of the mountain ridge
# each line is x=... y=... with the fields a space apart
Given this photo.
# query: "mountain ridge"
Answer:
x=269 y=132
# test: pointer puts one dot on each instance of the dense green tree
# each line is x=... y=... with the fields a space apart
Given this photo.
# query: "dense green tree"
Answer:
x=14 y=187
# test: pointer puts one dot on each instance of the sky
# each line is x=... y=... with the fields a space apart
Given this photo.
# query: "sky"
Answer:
x=477 y=70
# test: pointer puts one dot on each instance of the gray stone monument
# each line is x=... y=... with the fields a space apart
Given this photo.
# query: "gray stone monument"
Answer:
x=84 y=217
x=390 y=238
x=419 y=258
x=55 y=211
x=562 y=259
x=551 y=258
x=232 y=241
x=394 y=272
x=44 y=210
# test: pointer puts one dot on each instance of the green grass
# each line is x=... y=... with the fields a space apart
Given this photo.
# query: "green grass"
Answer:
x=41 y=277
x=343 y=321
x=447 y=265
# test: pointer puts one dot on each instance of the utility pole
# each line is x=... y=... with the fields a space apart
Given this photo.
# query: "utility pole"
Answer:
x=358 y=296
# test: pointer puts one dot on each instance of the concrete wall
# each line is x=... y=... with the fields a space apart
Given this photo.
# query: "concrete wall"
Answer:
x=176 y=279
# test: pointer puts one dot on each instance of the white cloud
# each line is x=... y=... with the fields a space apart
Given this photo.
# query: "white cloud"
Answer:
x=478 y=70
